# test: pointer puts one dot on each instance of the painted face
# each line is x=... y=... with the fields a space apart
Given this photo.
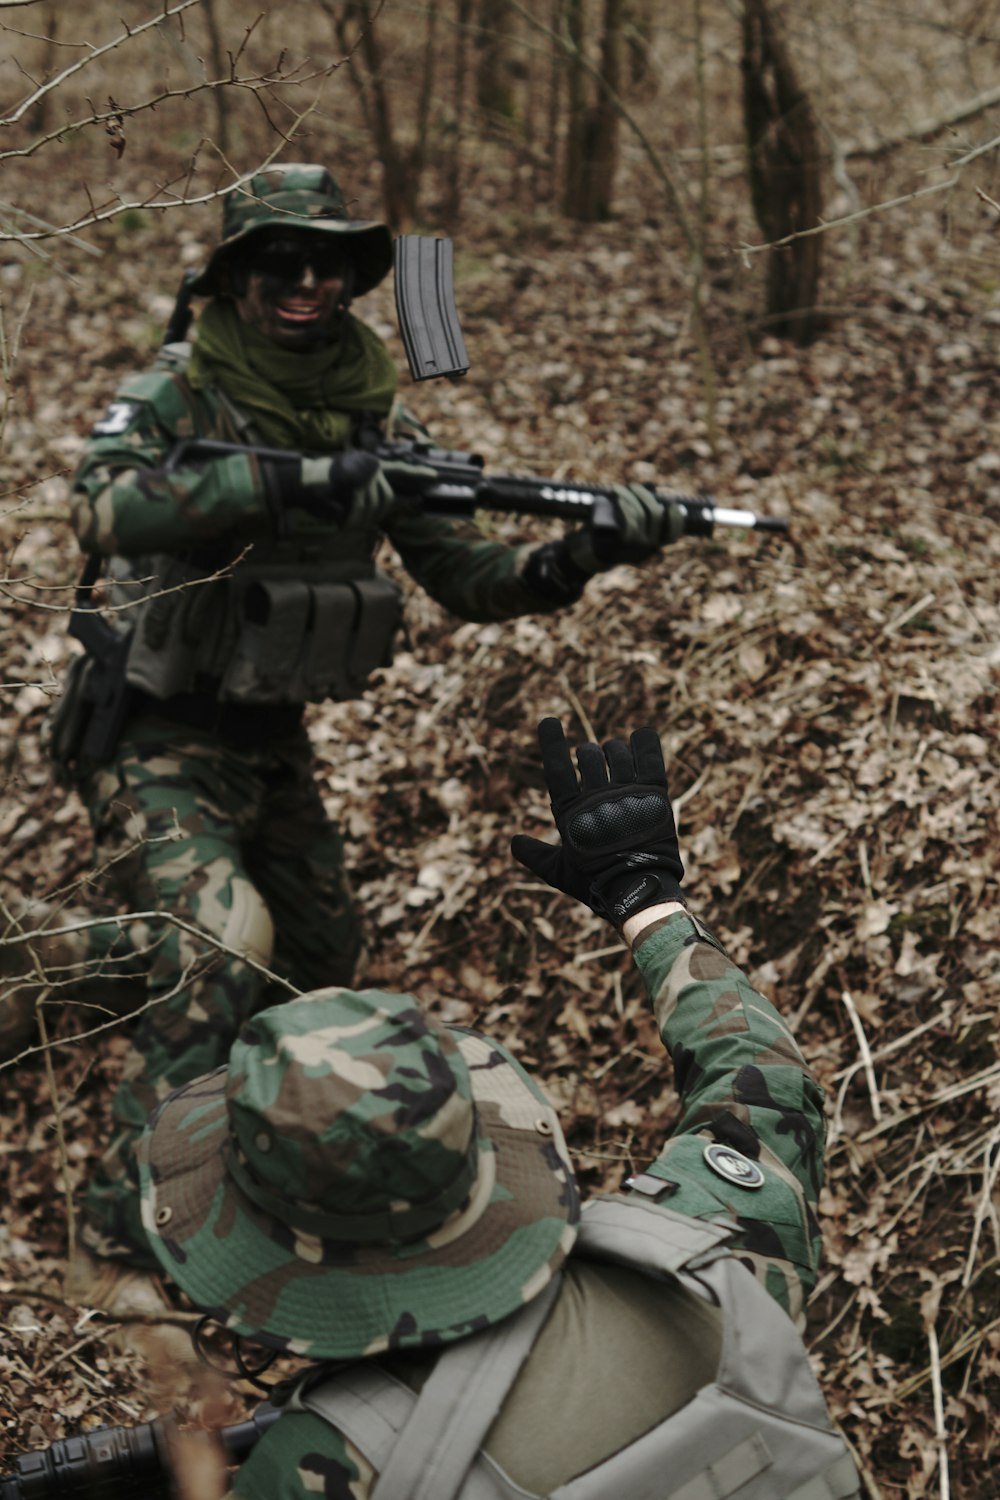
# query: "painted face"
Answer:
x=292 y=288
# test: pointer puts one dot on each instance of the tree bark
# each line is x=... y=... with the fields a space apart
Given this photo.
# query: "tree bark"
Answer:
x=600 y=158
x=784 y=171
x=592 y=129
x=220 y=97
x=638 y=32
x=402 y=167
x=38 y=118
x=494 y=79
x=576 y=119
x=452 y=204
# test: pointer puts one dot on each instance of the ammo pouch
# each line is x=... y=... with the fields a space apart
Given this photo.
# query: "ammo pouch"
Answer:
x=303 y=642
x=179 y=628
x=65 y=725
x=272 y=632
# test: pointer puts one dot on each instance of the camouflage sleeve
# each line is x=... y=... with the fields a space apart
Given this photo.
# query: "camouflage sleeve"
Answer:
x=745 y=1089
x=301 y=1458
x=468 y=575
x=124 y=502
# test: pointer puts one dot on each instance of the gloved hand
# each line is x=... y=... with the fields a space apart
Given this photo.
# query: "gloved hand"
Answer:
x=353 y=485
x=619 y=850
x=632 y=529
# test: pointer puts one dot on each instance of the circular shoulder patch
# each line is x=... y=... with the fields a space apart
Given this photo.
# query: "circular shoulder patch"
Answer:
x=733 y=1166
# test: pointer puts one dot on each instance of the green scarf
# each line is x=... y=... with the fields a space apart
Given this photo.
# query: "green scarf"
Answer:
x=295 y=399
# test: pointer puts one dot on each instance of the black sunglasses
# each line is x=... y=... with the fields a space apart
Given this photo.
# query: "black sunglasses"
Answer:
x=287 y=259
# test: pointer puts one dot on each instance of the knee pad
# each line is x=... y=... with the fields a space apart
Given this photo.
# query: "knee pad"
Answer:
x=249 y=928
x=222 y=901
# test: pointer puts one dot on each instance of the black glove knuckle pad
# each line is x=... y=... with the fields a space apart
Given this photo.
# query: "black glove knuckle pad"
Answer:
x=619 y=851
x=609 y=825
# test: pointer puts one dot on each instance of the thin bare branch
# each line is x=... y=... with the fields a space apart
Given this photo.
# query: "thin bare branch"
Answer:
x=746 y=249
x=671 y=185
x=92 y=56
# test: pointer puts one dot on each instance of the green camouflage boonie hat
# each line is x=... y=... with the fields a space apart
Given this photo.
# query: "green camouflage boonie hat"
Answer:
x=359 y=1178
x=297 y=196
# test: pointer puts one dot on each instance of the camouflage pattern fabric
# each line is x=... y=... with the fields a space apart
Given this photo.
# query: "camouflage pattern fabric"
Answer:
x=236 y=843
x=125 y=504
x=743 y=1084
x=298 y=195
x=359 y=1179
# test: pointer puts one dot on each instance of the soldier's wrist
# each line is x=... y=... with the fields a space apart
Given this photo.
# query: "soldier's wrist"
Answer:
x=552 y=573
x=633 y=928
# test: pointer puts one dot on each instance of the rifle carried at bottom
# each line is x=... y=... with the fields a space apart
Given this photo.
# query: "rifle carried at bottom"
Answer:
x=461 y=487
x=120 y=1463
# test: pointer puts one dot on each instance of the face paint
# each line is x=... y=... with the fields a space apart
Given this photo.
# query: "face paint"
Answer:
x=293 y=289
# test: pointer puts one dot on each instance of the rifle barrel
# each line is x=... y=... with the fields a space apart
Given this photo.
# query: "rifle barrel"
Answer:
x=722 y=516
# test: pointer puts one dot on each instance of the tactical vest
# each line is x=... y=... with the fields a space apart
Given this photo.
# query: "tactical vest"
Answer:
x=297 y=620
x=301 y=617
x=760 y=1430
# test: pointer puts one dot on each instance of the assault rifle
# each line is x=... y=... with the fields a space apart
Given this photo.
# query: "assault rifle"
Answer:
x=460 y=487
x=120 y=1463
x=424 y=277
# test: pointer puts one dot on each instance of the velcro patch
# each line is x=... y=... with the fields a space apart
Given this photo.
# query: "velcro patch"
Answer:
x=118 y=418
x=733 y=1166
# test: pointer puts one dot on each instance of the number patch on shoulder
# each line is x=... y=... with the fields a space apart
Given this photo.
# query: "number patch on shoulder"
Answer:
x=118 y=417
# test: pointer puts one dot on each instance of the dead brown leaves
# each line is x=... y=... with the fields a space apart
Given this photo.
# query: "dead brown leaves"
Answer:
x=829 y=711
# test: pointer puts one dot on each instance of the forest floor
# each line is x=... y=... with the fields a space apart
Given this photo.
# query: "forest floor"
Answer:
x=828 y=706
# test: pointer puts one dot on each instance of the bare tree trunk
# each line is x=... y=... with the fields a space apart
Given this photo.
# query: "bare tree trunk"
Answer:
x=556 y=71
x=576 y=119
x=638 y=34
x=220 y=68
x=600 y=155
x=38 y=118
x=417 y=156
x=402 y=167
x=494 y=78
x=452 y=205
x=784 y=168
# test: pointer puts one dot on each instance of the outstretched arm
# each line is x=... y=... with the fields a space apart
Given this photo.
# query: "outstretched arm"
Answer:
x=748 y=1146
x=749 y=1141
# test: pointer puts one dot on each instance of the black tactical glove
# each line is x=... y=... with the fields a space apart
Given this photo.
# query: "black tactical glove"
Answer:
x=353 y=484
x=631 y=529
x=619 y=849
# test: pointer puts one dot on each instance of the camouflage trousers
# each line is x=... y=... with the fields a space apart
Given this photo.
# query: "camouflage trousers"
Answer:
x=235 y=844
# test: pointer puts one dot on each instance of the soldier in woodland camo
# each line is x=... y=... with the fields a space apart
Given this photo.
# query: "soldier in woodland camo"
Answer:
x=393 y=1199
x=250 y=589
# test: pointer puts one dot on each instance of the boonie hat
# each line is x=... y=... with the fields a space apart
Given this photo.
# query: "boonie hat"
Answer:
x=298 y=196
x=359 y=1178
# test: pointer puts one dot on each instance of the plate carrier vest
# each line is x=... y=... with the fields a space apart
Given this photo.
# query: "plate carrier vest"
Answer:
x=760 y=1431
x=303 y=616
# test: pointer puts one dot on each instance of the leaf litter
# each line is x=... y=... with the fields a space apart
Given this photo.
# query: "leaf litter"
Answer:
x=829 y=711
